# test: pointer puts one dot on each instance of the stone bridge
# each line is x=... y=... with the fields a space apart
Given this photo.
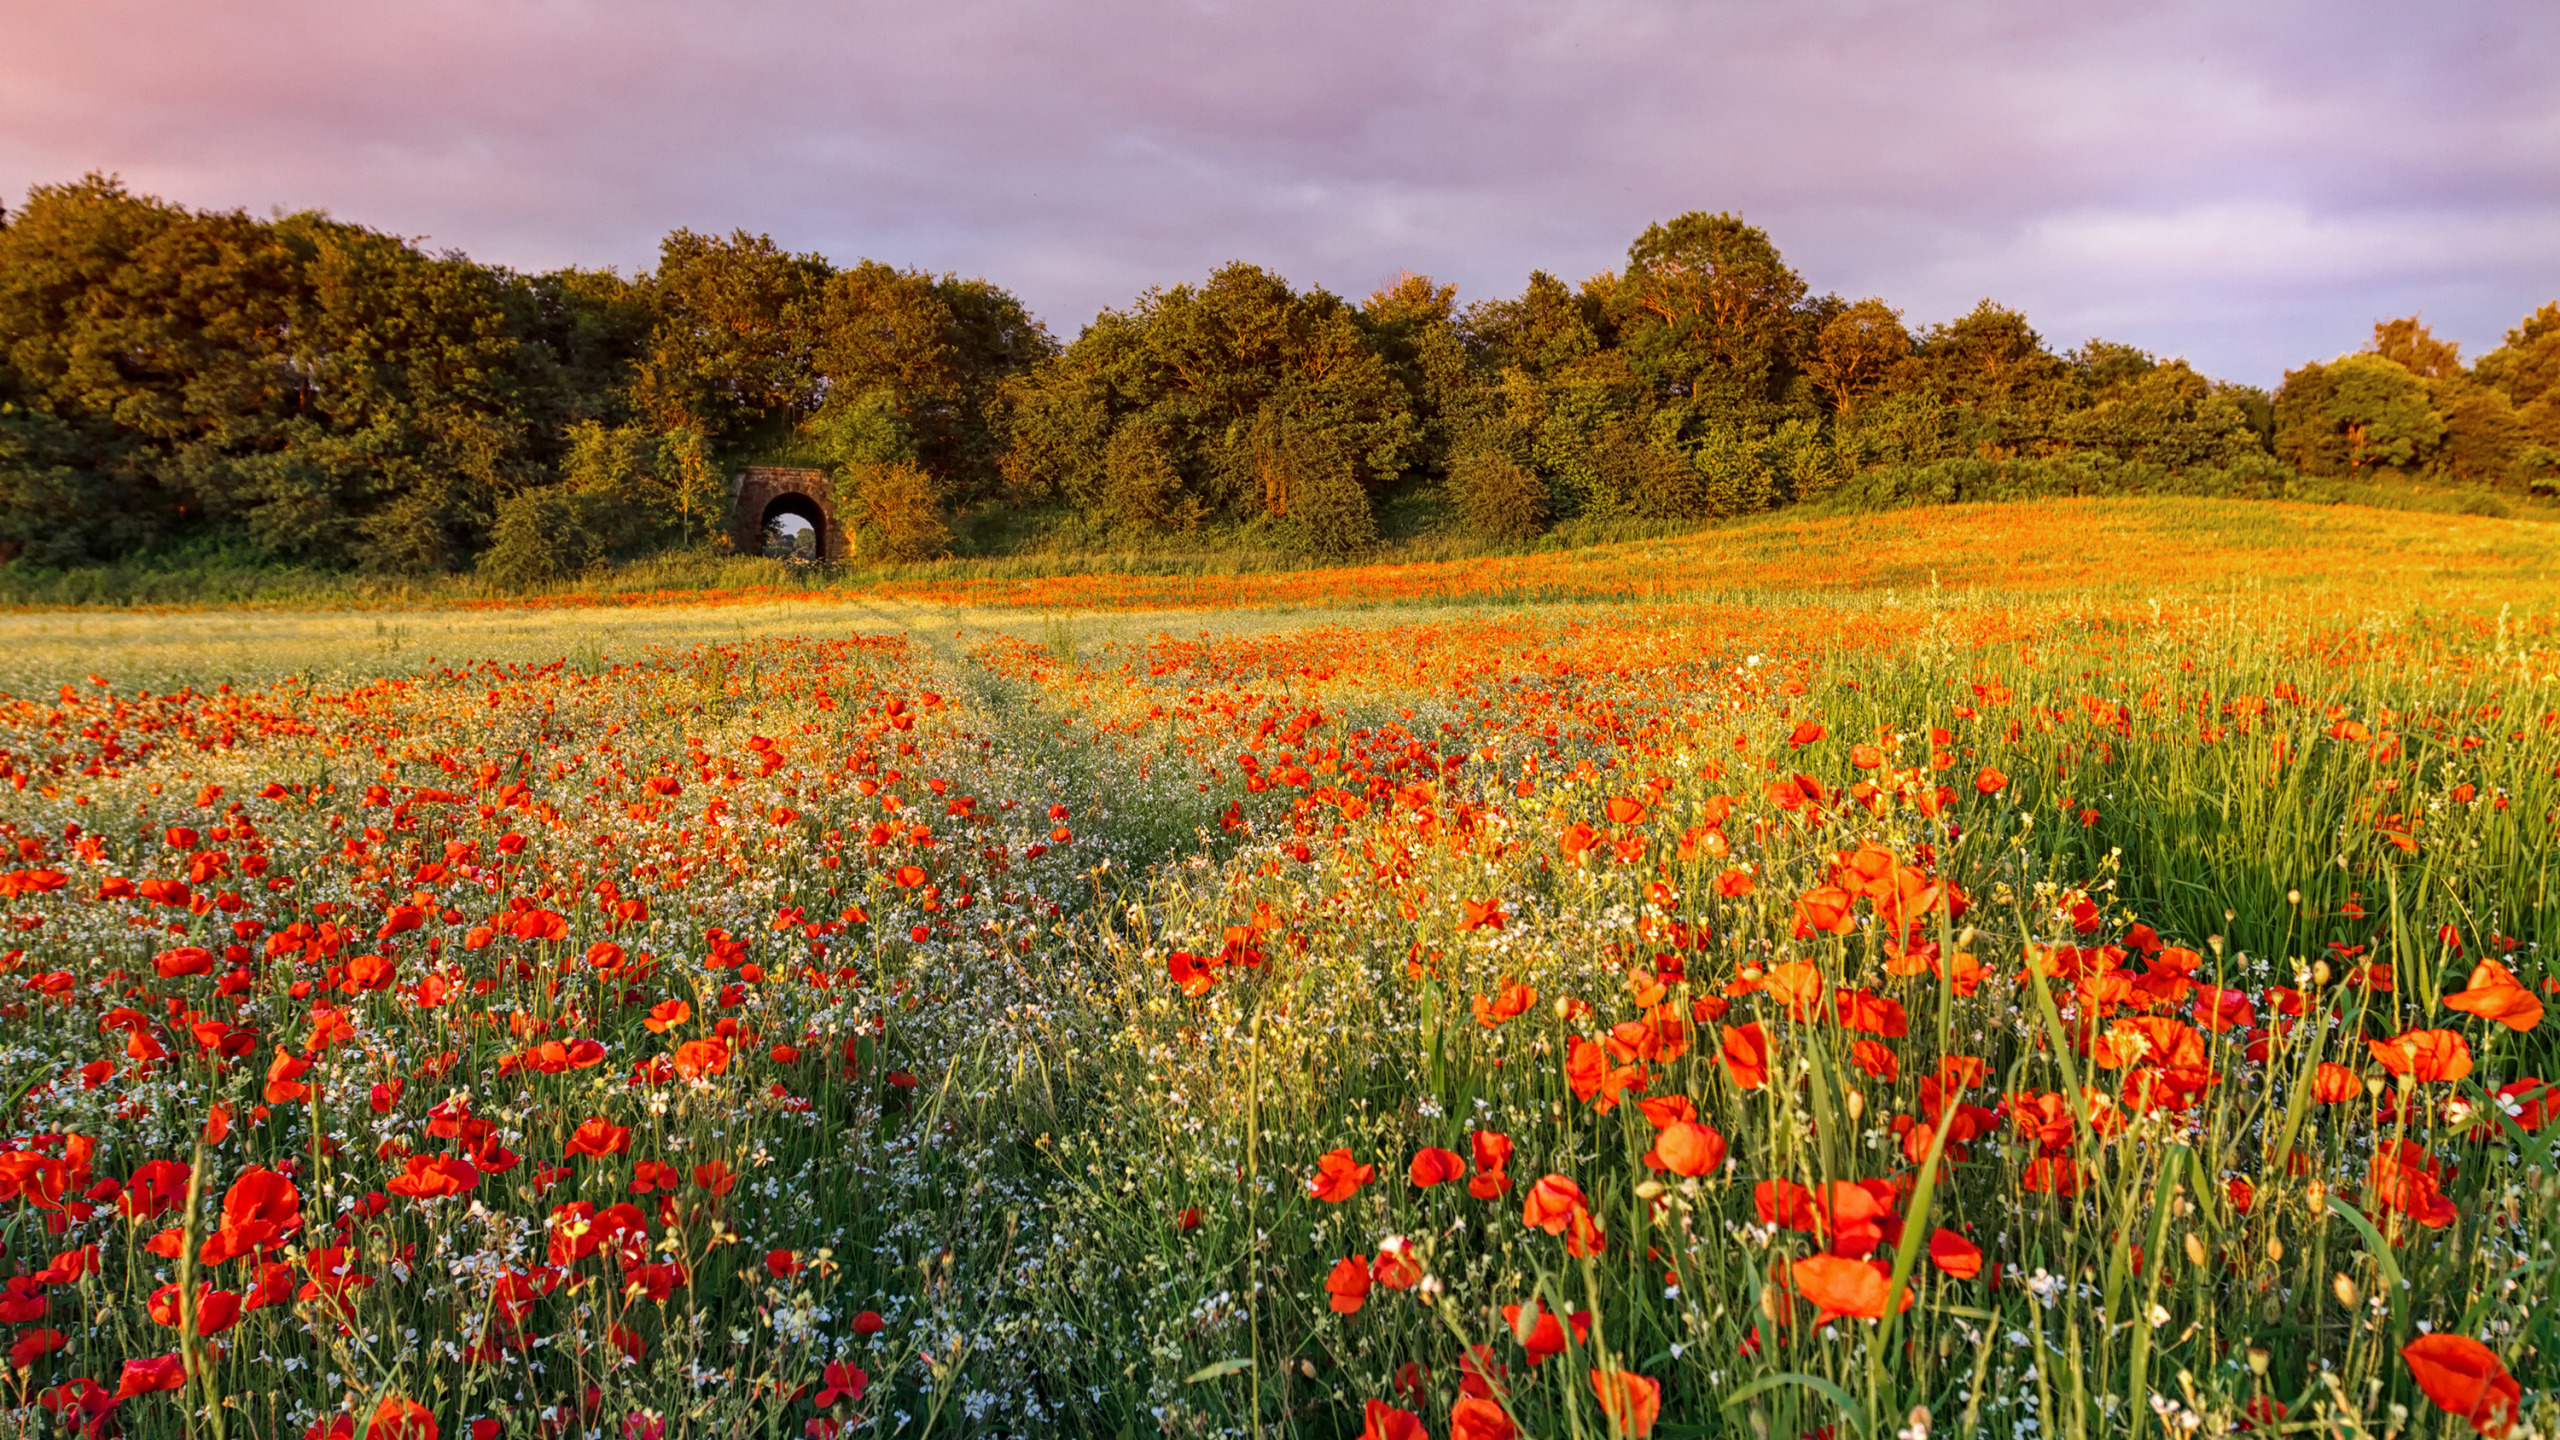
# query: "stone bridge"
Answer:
x=762 y=494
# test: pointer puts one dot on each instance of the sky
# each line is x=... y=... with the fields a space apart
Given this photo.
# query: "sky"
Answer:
x=2248 y=185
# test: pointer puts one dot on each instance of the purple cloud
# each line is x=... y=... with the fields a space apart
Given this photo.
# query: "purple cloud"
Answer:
x=2246 y=185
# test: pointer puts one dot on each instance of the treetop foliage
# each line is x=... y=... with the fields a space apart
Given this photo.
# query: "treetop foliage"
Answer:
x=308 y=390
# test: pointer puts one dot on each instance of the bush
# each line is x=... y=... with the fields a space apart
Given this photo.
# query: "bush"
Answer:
x=1496 y=497
x=892 y=512
x=1314 y=492
x=541 y=537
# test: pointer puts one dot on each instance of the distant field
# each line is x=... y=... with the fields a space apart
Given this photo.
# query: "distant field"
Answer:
x=2318 y=559
x=2051 y=970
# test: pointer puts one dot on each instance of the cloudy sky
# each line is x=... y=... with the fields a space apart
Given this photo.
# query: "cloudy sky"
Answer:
x=2248 y=183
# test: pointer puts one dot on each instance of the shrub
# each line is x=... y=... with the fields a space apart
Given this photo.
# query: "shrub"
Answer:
x=1312 y=489
x=1496 y=497
x=541 y=537
x=893 y=513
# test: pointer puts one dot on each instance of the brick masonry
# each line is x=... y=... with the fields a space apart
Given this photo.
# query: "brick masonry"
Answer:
x=754 y=491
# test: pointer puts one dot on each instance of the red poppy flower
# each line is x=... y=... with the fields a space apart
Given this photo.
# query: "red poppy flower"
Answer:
x=1631 y=1401
x=1684 y=1148
x=1338 y=1177
x=1480 y=1418
x=430 y=1177
x=1396 y=1267
x=1539 y=1333
x=1954 y=1254
x=842 y=1381
x=1382 y=1421
x=401 y=1418
x=2466 y=1378
x=2424 y=1055
x=2495 y=994
x=1746 y=1054
x=1431 y=1166
x=597 y=1138
x=1839 y=1286
x=1193 y=975
x=148 y=1377
x=1348 y=1284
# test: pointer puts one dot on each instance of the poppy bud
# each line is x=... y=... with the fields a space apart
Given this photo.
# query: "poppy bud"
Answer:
x=2344 y=1289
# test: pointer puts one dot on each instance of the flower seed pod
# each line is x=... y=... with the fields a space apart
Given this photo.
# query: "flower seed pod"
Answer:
x=2195 y=1250
x=2344 y=1289
x=2275 y=1250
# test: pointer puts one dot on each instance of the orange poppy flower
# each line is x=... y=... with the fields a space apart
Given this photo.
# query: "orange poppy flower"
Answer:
x=1594 y=1080
x=1841 y=1287
x=1666 y=1110
x=1632 y=1402
x=1432 y=1165
x=1989 y=781
x=400 y=1418
x=2494 y=994
x=1686 y=1149
x=1338 y=1177
x=2466 y=1378
x=1797 y=982
x=1481 y=915
x=1348 y=1285
x=1477 y=1418
x=282 y=1074
x=2335 y=1084
x=2424 y=1055
x=1509 y=1001
x=1551 y=1203
x=1625 y=810
x=1746 y=1054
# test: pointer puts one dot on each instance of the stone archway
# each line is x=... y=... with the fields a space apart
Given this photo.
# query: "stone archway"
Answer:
x=762 y=494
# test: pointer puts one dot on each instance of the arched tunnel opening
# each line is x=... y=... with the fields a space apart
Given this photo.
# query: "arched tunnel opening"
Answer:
x=795 y=529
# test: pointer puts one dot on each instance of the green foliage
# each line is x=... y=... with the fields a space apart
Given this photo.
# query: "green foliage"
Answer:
x=544 y=536
x=327 y=396
x=2357 y=414
x=892 y=511
x=1311 y=487
x=1496 y=497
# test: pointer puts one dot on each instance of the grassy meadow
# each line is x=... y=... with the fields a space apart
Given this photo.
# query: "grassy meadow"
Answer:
x=2071 y=969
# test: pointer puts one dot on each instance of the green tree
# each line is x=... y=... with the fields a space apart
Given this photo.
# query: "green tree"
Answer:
x=2354 y=416
x=1860 y=353
x=1708 y=309
x=1188 y=374
x=733 y=352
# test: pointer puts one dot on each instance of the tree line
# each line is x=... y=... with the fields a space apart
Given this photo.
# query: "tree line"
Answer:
x=304 y=390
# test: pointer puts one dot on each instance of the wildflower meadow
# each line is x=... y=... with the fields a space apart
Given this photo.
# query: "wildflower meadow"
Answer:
x=2096 y=997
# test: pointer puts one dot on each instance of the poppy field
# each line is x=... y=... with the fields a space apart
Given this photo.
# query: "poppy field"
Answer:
x=2049 y=1012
